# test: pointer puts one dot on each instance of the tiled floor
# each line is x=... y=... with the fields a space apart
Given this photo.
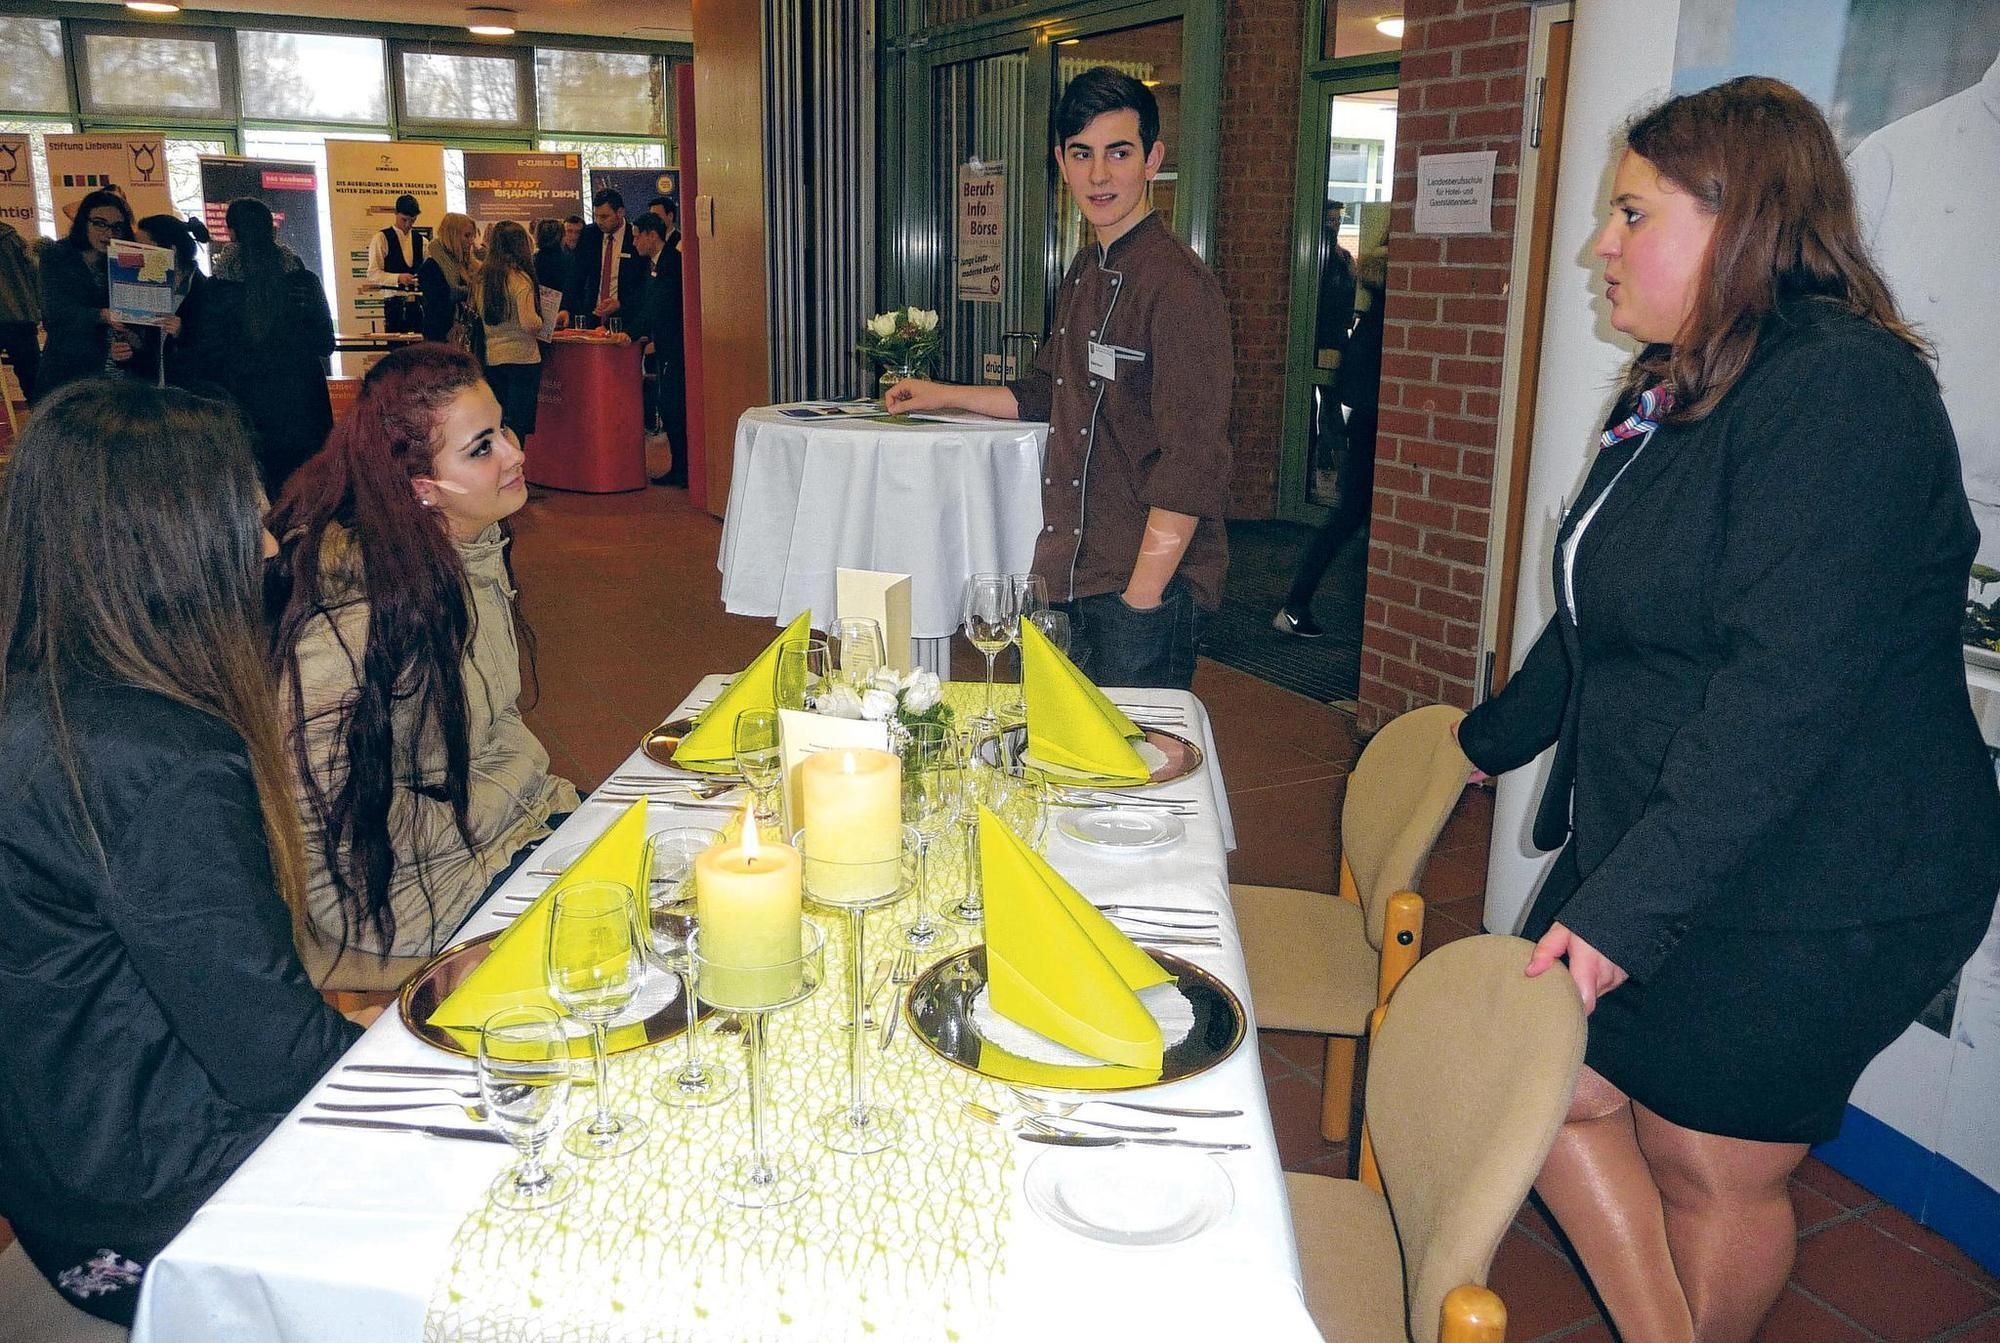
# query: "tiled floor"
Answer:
x=622 y=592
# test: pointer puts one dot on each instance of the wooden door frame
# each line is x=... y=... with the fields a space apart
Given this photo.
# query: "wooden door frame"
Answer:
x=1541 y=150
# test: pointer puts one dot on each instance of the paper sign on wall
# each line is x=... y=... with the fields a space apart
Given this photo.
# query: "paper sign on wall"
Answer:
x=885 y=599
x=1455 y=192
x=982 y=215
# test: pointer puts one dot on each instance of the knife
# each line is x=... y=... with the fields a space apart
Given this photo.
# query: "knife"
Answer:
x=1108 y=1140
x=387 y=1107
x=411 y=1070
x=391 y=1126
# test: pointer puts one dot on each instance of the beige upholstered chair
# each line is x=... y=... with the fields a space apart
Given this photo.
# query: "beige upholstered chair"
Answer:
x=31 y=1311
x=1469 y=1077
x=1321 y=964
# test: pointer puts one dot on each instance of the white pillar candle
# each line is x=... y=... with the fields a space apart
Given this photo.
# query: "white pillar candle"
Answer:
x=748 y=903
x=853 y=823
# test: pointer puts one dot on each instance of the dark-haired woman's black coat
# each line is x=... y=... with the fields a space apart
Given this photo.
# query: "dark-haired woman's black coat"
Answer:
x=274 y=370
x=73 y=296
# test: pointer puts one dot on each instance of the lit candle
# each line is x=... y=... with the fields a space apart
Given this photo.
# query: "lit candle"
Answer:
x=748 y=906
x=853 y=823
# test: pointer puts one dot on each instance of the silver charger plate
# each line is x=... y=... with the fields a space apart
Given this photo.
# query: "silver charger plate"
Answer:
x=1009 y=749
x=939 y=1010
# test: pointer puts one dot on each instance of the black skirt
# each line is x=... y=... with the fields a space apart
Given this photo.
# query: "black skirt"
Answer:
x=1762 y=1033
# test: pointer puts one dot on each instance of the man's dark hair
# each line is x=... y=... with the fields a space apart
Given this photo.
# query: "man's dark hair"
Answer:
x=407 y=205
x=610 y=196
x=665 y=203
x=1102 y=89
x=573 y=219
x=650 y=223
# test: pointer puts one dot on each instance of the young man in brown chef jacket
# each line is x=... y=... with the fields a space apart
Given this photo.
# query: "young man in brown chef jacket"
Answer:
x=1134 y=382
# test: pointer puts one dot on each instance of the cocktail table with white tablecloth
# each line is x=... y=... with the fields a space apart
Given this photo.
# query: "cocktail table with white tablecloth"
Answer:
x=936 y=501
x=330 y=1234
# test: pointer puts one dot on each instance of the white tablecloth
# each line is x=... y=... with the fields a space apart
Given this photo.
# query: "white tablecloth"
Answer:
x=338 y=1236
x=938 y=502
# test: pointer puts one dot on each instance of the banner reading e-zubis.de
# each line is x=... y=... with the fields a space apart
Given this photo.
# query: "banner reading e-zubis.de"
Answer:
x=501 y=184
x=290 y=189
x=135 y=162
x=364 y=178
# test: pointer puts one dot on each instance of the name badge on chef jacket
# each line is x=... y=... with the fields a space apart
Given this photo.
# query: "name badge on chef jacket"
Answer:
x=1103 y=361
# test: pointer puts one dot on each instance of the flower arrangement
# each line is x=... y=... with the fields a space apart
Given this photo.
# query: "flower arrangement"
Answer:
x=903 y=338
x=886 y=697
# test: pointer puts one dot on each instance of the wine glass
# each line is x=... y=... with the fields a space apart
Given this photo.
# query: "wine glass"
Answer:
x=524 y=1080
x=596 y=962
x=671 y=922
x=992 y=621
x=801 y=674
x=857 y=644
x=1055 y=626
x=933 y=782
x=1031 y=599
x=759 y=758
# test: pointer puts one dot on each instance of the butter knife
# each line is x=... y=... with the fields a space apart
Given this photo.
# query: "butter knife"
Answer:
x=1108 y=1140
x=392 y=1126
x=410 y=1070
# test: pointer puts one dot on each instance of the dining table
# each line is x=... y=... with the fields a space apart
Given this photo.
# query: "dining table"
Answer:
x=332 y=1233
x=818 y=487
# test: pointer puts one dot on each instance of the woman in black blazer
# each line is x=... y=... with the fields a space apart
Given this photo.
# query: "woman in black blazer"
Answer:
x=1779 y=827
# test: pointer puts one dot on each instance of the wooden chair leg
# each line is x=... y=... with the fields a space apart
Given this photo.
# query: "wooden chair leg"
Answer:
x=1336 y=1095
x=1472 y=1314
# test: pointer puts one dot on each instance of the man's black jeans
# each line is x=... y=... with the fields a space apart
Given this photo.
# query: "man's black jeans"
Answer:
x=1115 y=645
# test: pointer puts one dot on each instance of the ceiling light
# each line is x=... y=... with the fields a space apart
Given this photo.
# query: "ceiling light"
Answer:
x=490 y=22
x=1391 y=26
x=153 y=6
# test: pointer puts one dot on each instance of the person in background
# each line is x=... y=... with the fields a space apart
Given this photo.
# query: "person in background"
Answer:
x=510 y=308
x=657 y=327
x=263 y=339
x=395 y=255
x=572 y=233
x=1779 y=827
x=445 y=278
x=397 y=648
x=1135 y=383
x=176 y=339
x=555 y=264
x=609 y=271
x=85 y=339
x=20 y=307
x=159 y=1023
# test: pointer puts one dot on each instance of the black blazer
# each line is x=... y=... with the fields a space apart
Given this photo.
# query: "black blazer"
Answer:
x=581 y=298
x=658 y=314
x=1758 y=703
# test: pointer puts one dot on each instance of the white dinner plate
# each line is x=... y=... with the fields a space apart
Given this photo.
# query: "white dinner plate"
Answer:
x=1121 y=827
x=1134 y=1196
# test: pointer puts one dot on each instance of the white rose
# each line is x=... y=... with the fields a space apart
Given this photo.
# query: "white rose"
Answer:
x=878 y=706
x=882 y=324
x=921 y=691
x=839 y=701
x=885 y=678
x=925 y=319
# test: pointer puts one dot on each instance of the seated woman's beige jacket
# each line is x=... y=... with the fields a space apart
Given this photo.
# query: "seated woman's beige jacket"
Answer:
x=511 y=793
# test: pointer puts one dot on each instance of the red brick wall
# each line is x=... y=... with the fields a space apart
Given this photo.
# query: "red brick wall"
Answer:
x=1261 y=72
x=1464 y=77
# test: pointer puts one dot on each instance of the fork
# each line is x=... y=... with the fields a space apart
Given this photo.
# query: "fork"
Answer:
x=905 y=972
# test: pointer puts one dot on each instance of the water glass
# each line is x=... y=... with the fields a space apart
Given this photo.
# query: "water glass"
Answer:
x=1055 y=626
x=759 y=758
x=933 y=789
x=524 y=1081
x=803 y=665
x=672 y=926
x=596 y=963
x=858 y=647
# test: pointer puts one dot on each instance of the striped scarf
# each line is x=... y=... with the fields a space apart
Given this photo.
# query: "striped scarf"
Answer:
x=1655 y=402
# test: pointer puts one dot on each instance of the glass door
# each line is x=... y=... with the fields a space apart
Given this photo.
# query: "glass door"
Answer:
x=985 y=153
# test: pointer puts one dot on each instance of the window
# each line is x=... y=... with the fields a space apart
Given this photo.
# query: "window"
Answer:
x=610 y=92
x=184 y=172
x=33 y=78
x=454 y=88
x=312 y=77
x=37 y=133
x=135 y=74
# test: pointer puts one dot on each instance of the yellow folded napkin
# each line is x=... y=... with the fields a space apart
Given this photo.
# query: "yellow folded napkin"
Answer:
x=1058 y=966
x=711 y=745
x=514 y=973
x=1072 y=726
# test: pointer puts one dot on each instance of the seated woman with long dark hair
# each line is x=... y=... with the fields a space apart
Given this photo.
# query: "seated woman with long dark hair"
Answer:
x=158 y=1022
x=398 y=657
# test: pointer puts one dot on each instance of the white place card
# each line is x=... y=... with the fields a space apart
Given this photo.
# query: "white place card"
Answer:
x=885 y=599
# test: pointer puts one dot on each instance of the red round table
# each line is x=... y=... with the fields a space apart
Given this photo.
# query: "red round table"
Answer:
x=590 y=433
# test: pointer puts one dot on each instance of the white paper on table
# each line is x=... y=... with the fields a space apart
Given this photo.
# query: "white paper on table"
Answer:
x=885 y=599
x=959 y=417
x=551 y=301
x=801 y=734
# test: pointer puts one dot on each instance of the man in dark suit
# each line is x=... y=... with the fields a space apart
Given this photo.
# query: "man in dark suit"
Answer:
x=609 y=273
x=658 y=326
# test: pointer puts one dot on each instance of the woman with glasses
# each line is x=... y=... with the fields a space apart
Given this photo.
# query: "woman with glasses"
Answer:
x=85 y=339
x=398 y=657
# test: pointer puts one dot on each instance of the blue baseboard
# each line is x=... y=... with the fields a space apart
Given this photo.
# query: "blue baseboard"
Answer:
x=1937 y=1192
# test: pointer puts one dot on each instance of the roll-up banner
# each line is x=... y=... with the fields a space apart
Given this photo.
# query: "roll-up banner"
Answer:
x=636 y=185
x=502 y=184
x=17 y=185
x=364 y=177
x=133 y=161
x=291 y=189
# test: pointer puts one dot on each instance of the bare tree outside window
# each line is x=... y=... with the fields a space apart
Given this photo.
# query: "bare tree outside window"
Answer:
x=32 y=77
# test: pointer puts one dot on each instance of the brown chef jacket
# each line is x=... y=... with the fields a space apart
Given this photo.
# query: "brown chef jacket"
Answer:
x=1154 y=436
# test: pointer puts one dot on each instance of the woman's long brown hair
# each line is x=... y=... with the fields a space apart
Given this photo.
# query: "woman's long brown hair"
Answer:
x=1757 y=155
x=131 y=551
